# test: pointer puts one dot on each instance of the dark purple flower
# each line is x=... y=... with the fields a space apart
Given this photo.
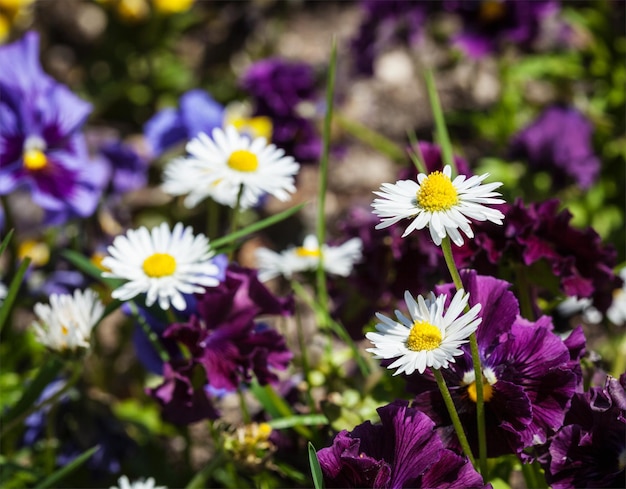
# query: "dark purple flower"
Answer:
x=226 y=344
x=129 y=170
x=556 y=258
x=589 y=450
x=42 y=148
x=279 y=89
x=197 y=113
x=390 y=266
x=183 y=398
x=559 y=141
x=530 y=374
x=432 y=158
x=386 y=23
x=487 y=25
x=402 y=451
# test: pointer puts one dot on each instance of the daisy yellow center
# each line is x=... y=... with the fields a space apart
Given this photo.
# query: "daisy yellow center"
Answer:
x=64 y=330
x=437 y=193
x=423 y=336
x=487 y=391
x=35 y=159
x=159 y=265
x=243 y=160
x=307 y=252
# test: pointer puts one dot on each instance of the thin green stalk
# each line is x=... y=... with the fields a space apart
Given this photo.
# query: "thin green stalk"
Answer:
x=440 y=125
x=213 y=219
x=372 y=138
x=446 y=247
x=152 y=336
x=199 y=481
x=322 y=291
x=454 y=416
x=234 y=219
x=416 y=153
x=304 y=358
x=244 y=407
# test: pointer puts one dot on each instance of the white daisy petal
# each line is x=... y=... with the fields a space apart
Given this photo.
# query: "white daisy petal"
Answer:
x=439 y=203
x=161 y=263
x=66 y=323
x=219 y=166
x=337 y=260
x=431 y=336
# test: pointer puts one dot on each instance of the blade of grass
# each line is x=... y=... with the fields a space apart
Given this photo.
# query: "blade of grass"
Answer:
x=322 y=292
x=5 y=241
x=441 y=130
x=257 y=226
x=53 y=479
x=301 y=420
x=316 y=470
x=14 y=288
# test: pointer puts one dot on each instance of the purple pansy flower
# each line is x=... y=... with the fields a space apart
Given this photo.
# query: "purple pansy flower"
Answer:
x=385 y=23
x=488 y=24
x=402 y=451
x=559 y=141
x=279 y=89
x=431 y=156
x=530 y=373
x=197 y=113
x=577 y=261
x=590 y=449
x=227 y=346
x=182 y=402
x=129 y=170
x=42 y=148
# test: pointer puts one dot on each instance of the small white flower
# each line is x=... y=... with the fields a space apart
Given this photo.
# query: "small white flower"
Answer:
x=337 y=260
x=124 y=483
x=429 y=338
x=436 y=201
x=218 y=167
x=162 y=264
x=67 y=322
x=617 y=311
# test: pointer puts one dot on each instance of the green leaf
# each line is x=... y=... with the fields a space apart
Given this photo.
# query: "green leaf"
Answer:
x=85 y=265
x=53 y=479
x=316 y=470
x=14 y=288
x=300 y=420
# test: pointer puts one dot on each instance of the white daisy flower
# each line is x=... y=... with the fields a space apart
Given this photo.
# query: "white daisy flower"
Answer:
x=218 y=167
x=437 y=201
x=337 y=260
x=67 y=322
x=429 y=338
x=161 y=263
x=124 y=483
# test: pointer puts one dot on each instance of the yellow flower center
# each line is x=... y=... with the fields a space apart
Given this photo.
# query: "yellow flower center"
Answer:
x=64 y=330
x=491 y=10
x=257 y=127
x=437 y=193
x=487 y=391
x=423 y=336
x=307 y=252
x=159 y=265
x=243 y=160
x=35 y=159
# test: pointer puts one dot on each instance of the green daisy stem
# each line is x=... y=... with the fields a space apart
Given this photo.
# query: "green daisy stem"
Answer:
x=456 y=422
x=149 y=332
x=234 y=219
x=446 y=247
